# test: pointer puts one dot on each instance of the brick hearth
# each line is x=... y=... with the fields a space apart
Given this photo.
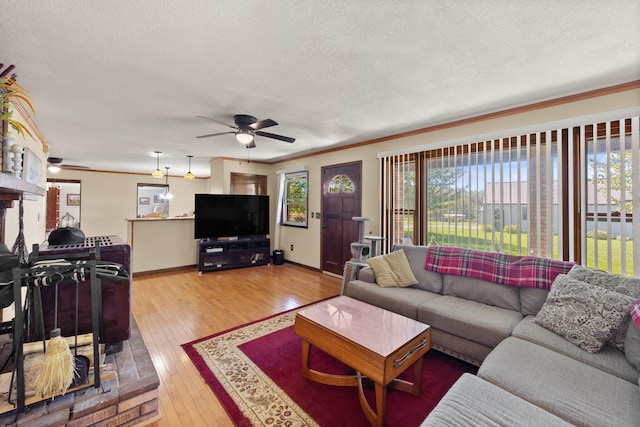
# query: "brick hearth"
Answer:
x=129 y=399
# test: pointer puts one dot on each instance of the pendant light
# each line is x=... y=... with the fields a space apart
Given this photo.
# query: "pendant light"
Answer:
x=189 y=175
x=166 y=195
x=157 y=173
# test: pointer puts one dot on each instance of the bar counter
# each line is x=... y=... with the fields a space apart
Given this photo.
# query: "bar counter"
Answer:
x=161 y=243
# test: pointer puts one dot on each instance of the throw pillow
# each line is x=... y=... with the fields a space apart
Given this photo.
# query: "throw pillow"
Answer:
x=584 y=314
x=392 y=270
x=626 y=285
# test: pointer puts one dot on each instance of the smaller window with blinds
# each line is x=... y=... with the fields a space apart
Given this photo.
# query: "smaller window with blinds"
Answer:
x=295 y=200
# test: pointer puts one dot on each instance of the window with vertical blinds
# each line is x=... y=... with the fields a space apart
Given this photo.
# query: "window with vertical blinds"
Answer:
x=563 y=193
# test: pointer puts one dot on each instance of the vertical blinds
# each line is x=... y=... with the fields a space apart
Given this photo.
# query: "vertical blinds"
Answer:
x=565 y=193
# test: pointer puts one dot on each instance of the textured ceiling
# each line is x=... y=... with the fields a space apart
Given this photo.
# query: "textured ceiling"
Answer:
x=113 y=81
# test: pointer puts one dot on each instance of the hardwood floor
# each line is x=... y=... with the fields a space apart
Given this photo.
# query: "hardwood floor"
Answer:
x=174 y=308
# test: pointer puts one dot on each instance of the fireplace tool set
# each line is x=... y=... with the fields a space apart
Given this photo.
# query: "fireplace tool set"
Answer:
x=61 y=370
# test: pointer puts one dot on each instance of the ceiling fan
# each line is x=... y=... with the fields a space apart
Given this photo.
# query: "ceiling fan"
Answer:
x=56 y=163
x=246 y=128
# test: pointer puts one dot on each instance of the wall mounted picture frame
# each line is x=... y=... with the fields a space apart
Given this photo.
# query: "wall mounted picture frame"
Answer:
x=73 y=200
x=144 y=200
x=32 y=167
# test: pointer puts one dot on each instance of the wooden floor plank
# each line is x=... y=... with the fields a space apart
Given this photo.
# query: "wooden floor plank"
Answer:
x=178 y=307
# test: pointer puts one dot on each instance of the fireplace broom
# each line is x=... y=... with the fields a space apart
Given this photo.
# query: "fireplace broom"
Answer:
x=58 y=368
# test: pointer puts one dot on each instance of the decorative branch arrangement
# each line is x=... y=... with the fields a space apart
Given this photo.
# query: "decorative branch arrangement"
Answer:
x=10 y=92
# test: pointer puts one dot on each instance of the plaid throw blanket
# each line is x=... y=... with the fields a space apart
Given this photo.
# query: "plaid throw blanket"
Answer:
x=524 y=271
x=635 y=313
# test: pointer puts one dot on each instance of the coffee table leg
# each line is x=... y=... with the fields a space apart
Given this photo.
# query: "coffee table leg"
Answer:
x=381 y=405
x=378 y=417
x=306 y=347
x=417 y=374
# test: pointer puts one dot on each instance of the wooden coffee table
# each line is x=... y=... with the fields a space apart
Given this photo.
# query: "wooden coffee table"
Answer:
x=376 y=343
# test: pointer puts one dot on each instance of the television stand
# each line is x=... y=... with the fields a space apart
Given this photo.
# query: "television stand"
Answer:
x=220 y=254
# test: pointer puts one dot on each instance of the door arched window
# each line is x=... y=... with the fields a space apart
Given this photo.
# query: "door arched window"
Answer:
x=341 y=183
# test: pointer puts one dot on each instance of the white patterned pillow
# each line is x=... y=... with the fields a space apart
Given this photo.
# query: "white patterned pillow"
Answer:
x=584 y=314
x=626 y=285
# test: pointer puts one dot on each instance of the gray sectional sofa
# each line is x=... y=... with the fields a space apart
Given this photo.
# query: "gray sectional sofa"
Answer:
x=528 y=375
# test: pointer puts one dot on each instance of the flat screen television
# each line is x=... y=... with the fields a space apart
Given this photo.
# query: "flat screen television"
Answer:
x=231 y=215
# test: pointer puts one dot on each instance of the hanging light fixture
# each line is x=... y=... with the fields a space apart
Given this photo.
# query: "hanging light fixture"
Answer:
x=244 y=136
x=189 y=175
x=157 y=173
x=166 y=195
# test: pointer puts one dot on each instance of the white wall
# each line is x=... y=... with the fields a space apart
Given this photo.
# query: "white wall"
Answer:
x=109 y=199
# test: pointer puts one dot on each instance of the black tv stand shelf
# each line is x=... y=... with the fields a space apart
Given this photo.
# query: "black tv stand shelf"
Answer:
x=222 y=254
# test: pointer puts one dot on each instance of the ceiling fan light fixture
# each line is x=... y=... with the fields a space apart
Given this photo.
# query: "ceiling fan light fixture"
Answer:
x=189 y=175
x=244 y=137
x=53 y=168
x=157 y=173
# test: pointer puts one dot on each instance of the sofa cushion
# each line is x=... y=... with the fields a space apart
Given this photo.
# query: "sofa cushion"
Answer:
x=626 y=285
x=404 y=301
x=472 y=401
x=608 y=359
x=584 y=314
x=531 y=300
x=427 y=280
x=475 y=321
x=479 y=290
x=366 y=274
x=574 y=391
x=392 y=270
x=459 y=347
x=632 y=345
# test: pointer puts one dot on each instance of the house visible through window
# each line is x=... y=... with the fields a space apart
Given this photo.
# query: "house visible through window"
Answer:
x=568 y=193
x=295 y=199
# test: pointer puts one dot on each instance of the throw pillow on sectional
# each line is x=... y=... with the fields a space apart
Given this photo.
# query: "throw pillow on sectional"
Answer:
x=626 y=285
x=392 y=270
x=584 y=314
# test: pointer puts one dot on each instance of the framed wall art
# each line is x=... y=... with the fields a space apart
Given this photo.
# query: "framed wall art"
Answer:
x=73 y=200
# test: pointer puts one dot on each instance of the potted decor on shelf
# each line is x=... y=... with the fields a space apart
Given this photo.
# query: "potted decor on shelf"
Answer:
x=10 y=90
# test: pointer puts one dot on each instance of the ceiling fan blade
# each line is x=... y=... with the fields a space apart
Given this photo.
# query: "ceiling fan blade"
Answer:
x=63 y=166
x=263 y=124
x=213 y=134
x=218 y=121
x=274 y=136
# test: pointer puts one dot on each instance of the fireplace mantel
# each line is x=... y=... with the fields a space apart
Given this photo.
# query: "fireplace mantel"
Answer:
x=11 y=188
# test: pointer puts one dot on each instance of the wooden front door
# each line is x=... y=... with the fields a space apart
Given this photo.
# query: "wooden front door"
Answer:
x=341 y=201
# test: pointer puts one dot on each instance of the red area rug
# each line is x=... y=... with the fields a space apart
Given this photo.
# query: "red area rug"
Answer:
x=255 y=371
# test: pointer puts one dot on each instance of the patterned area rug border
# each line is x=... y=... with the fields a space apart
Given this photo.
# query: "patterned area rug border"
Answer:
x=225 y=368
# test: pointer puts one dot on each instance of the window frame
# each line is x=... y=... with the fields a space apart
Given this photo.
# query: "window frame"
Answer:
x=286 y=200
x=557 y=174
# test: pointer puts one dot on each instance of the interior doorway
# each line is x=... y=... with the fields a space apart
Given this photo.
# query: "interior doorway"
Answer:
x=64 y=203
x=244 y=183
x=341 y=201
